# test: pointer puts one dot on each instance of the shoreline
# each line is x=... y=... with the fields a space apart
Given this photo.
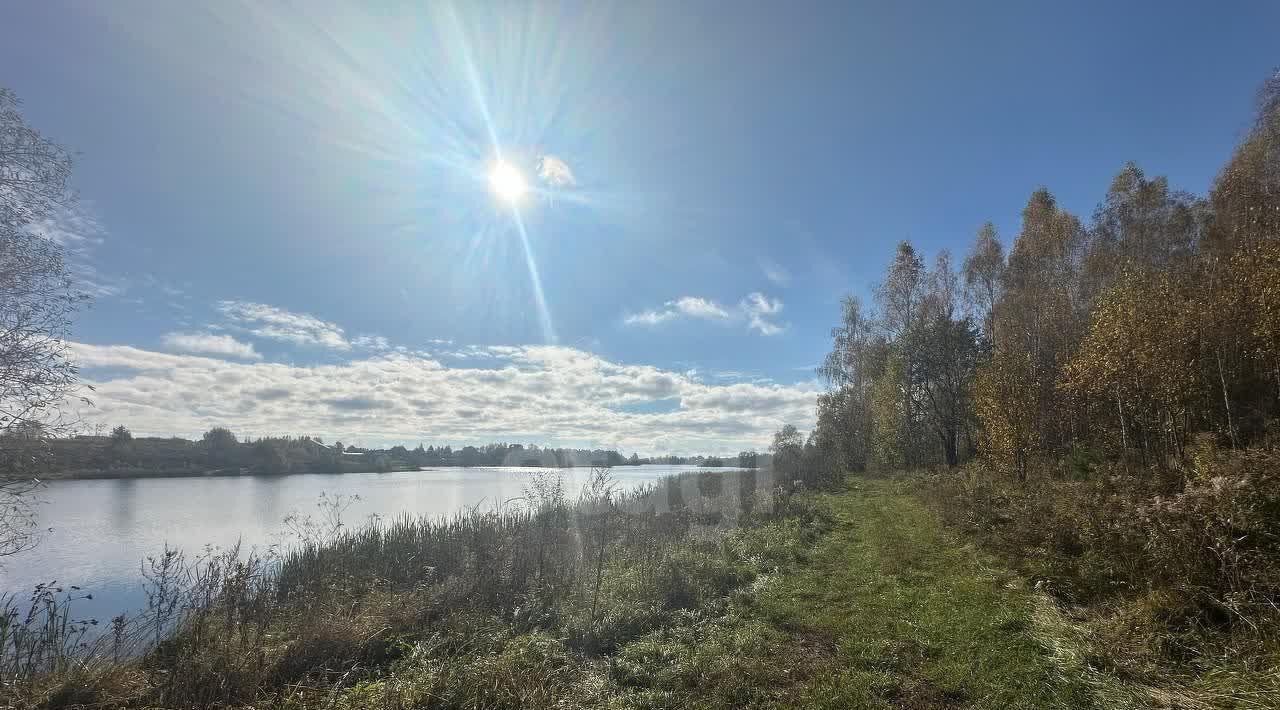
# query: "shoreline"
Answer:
x=130 y=474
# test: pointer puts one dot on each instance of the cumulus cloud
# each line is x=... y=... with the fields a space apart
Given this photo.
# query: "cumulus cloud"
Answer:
x=372 y=342
x=754 y=310
x=209 y=344
x=358 y=403
x=555 y=172
x=699 y=308
x=757 y=307
x=685 y=306
x=545 y=394
x=274 y=323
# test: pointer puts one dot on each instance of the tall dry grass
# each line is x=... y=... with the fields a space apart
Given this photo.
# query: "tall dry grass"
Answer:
x=593 y=569
x=1168 y=576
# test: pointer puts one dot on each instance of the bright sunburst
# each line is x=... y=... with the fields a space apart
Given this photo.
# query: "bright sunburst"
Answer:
x=506 y=182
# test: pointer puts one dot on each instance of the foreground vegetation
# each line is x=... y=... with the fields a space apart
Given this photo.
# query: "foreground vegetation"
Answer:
x=1175 y=595
x=857 y=598
x=518 y=607
x=853 y=599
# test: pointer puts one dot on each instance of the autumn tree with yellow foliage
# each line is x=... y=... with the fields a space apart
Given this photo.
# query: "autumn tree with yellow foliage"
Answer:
x=1157 y=321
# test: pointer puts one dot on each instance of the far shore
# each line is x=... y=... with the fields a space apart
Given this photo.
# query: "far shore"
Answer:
x=132 y=473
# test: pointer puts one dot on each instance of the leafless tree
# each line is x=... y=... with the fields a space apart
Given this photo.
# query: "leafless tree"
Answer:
x=37 y=303
x=17 y=516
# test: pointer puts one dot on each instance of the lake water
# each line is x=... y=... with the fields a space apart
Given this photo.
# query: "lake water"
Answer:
x=103 y=529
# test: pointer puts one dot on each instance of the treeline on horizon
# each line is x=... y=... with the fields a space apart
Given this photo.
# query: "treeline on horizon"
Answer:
x=219 y=449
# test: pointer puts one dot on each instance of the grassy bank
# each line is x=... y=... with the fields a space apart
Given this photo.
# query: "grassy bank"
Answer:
x=916 y=619
x=858 y=599
x=705 y=592
x=542 y=595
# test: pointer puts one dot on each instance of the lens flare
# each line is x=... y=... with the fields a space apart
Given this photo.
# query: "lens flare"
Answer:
x=507 y=183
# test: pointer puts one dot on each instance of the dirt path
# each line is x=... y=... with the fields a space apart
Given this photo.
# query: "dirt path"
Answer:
x=917 y=619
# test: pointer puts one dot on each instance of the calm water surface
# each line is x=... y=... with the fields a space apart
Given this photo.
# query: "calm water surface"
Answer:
x=102 y=530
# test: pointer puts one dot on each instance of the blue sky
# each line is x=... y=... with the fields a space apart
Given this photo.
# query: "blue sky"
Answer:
x=276 y=195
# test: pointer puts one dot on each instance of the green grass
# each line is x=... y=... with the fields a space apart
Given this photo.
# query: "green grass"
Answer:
x=854 y=600
x=858 y=599
x=918 y=620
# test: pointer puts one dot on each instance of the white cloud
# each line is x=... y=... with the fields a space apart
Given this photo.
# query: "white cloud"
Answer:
x=74 y=228
x=555 y=172
x=699 y=308
x=79 y=233
x=543 y=394
x=648 y=317
x=754 y=310
x=278 y=324
x=685 y=306
x=209 y=344
x=372 y=342
x=757 y=307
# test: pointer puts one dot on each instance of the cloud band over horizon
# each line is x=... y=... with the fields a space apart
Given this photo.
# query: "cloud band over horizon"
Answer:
x=549 y=395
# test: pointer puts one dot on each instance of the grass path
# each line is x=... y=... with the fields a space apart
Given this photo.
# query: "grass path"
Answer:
x=916 y=618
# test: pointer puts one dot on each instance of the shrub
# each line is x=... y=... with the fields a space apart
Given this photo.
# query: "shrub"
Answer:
x=1204 y=560
x=1218 y=542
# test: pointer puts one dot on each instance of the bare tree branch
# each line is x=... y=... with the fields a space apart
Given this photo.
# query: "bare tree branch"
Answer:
x=37 y=304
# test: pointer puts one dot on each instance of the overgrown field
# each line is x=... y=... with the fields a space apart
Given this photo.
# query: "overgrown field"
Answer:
x=1175 y=591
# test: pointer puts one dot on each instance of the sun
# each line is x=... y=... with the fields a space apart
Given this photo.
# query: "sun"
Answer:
x=506 y=182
